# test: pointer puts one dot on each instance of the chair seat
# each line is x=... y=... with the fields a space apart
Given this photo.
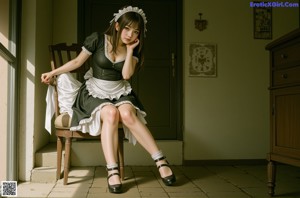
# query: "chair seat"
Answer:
x=63 y=121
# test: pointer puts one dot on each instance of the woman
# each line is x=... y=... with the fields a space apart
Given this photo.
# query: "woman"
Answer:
x=106 y=97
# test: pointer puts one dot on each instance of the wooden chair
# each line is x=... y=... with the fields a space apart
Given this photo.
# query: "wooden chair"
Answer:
x=60 y=54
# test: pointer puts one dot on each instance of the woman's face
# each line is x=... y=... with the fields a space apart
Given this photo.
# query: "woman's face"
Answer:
x=130 y=33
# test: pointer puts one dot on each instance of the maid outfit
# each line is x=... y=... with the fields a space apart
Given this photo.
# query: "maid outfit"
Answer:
x=103 y=85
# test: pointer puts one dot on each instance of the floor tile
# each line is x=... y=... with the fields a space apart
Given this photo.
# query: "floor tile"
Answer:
x=27 y=189
x=192 y=182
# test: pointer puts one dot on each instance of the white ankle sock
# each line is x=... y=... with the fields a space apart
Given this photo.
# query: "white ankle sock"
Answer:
x=109 y=166
x=157 y=155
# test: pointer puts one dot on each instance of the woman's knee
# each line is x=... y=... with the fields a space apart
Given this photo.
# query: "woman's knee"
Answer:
x=110 y=113
x=128 y=115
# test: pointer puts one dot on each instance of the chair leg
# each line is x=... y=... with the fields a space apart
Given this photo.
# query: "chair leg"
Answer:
x=67 y=159
x=59 y=157
x=121 y=155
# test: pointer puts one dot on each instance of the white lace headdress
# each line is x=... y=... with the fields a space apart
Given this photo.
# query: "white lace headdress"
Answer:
x=131 y=9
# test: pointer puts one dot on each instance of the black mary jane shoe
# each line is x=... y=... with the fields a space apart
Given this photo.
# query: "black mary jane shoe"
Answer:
x=169 y=180
x=116 y=188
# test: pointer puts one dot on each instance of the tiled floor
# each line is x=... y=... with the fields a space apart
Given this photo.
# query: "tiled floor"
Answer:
x=193 y=181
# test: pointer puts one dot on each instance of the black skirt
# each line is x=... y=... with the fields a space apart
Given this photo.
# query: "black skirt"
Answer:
x=85 y=104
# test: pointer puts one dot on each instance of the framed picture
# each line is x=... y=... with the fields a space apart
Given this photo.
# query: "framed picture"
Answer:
x=262 y=17
x=203 y=59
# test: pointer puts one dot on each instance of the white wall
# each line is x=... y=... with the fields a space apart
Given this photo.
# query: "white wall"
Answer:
x=65 y=30
x=227 y=117
x=27 y=89
x=3 y=117
x=35 y=37
x=4 y=26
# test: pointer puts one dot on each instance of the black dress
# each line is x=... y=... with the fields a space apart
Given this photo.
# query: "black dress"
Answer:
x=104 y=85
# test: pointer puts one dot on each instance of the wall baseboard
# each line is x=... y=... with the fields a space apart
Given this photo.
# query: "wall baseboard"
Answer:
x=226 y=162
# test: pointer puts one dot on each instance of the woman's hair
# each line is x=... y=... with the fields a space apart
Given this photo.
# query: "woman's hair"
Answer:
x=128 y=19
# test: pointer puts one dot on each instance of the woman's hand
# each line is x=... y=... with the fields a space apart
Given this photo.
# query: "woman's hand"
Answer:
x=132 y=45
x=46 y=77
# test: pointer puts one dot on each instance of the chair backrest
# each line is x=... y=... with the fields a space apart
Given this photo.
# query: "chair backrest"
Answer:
x=60 y=54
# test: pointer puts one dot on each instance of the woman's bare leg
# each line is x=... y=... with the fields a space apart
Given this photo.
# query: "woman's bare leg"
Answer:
x=142 y=134
x=109 y=138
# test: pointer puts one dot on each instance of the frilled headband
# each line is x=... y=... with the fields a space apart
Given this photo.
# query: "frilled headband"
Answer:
x=131 y=9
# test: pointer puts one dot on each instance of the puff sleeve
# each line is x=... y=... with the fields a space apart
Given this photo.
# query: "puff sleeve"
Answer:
x=91 y=43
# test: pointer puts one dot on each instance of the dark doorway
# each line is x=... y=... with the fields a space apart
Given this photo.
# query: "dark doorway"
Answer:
x=159 y=83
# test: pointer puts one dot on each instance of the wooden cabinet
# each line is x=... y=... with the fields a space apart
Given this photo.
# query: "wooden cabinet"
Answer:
x=284 y=103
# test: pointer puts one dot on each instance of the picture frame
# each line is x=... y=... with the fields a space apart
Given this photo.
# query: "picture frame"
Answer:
x=262 y=26
x=202 y=60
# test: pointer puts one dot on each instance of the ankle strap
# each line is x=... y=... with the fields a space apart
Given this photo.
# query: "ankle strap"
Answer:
x=167 y=164
x=109 y=176
x=159 y=159
x=114 y=168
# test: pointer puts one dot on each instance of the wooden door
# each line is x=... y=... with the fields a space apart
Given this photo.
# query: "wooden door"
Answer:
x=159 y=83
x=286 y=125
